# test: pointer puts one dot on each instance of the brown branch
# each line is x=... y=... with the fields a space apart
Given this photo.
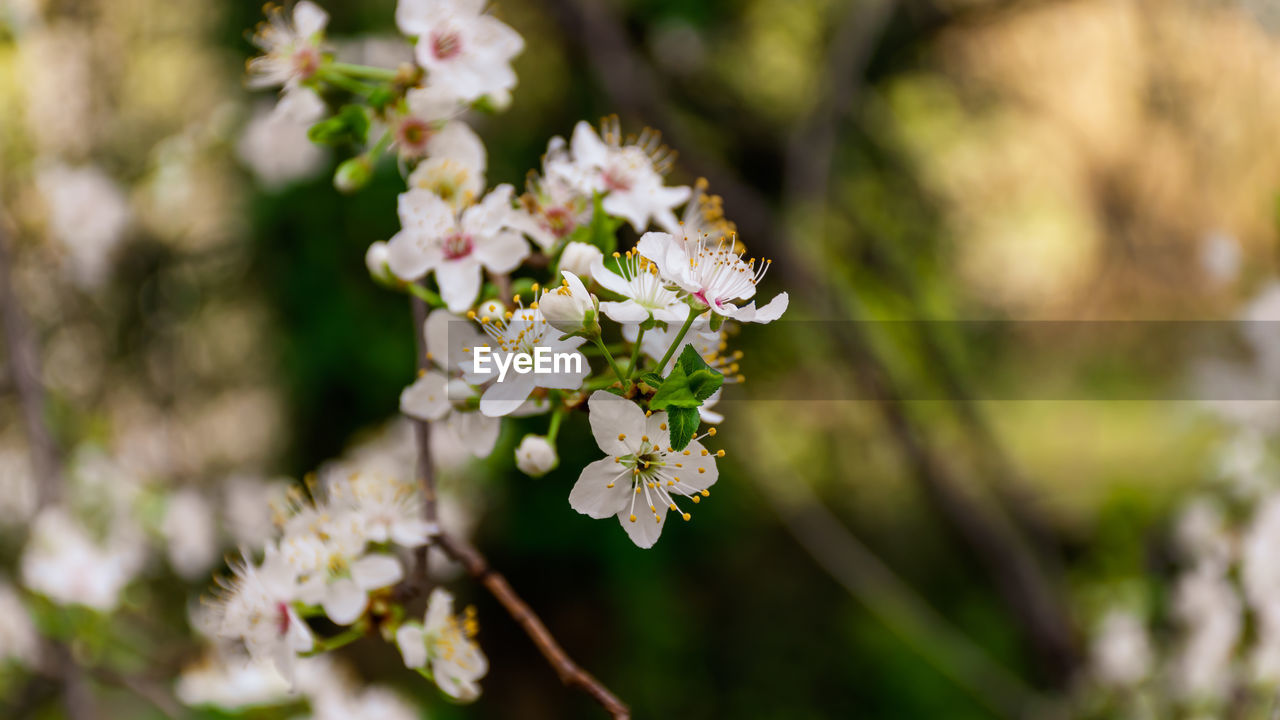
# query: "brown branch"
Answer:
x=569 y=672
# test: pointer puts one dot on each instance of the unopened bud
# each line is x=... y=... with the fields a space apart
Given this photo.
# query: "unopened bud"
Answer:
x=353 y=174
x=536 y=456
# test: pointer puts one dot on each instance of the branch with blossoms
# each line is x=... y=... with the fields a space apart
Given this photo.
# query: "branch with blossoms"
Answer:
x=500 y=282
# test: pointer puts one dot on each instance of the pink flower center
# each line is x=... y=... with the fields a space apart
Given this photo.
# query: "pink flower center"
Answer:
x=306 y=60
x=617 y=180
x=445 y=45
x=559 y=221
x=457 y=245
x=413 y=134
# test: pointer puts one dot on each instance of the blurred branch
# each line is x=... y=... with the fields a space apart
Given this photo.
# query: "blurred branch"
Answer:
x=24 y=372
x=153 y=693
x=842 y=556
x=24 y=369
x=569 y=672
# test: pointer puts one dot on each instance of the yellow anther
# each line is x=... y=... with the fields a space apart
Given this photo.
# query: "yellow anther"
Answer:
x=706 y=493
x=610 y=486
x=686 y=452
x=711 y=432
x=663 y=426
x=720 y=453
x=535 y=287
x=701 y=470
x=686 y=517
x=695 y=498
x=633 y=517
x=471 y=314
x=673 y=507
x=644 y=438
x=622 y=436
x=704 y=452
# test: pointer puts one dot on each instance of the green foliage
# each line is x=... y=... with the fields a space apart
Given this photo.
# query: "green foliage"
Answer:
x=602 y=231
x=690 y=383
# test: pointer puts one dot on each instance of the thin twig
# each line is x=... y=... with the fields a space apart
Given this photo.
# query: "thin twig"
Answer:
x=422 y=436
x=153 y=693
x=570 y=673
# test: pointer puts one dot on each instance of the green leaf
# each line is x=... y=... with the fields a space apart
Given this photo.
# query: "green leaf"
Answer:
x=652 y=379
x=683 y=423
x=674 y=392
x=704 y=383
x=716 y=322
x=349 y=126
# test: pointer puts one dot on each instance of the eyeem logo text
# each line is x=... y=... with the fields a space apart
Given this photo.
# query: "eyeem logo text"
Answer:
x=542 y=362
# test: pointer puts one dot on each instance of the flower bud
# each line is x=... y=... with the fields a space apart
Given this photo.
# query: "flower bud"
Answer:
x=492 y=309
x=577 y=258
x=536 y=456
x=353 y=174
x=570 y=308
x=375 y=258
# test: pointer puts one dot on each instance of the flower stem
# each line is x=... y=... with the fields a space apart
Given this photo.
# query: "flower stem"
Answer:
x=363 y=71
x=554 y=429
x=338 y=79
x=635 y=353
x=684 y=330
x=352 y=634
x=424 y=294
x=609 y=357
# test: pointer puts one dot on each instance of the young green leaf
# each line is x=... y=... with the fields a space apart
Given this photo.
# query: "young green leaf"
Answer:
x=683 y=423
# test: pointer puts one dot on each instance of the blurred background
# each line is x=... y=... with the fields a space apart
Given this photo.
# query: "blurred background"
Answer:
x=910 y=522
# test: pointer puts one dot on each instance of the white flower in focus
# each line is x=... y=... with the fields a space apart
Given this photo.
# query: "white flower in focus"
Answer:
x=65 y=565
x=257 y=610
x=88 y=217
x=536 y=456
x=291 y=47
x=464 y=51
x=643 y=475
x=716 y=276
x=190 y=537
x=1121 y=651
x=457 y=246
x=437 y=394
x=444 y=641
x=579 y=257
x=274 y=143
x=646 y=293
x=526 y=332
x=569 y=307
x=19 y=642
x=628 y=174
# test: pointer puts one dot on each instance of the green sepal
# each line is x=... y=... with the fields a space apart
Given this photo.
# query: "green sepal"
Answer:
x=349 y=126
x=716 y=322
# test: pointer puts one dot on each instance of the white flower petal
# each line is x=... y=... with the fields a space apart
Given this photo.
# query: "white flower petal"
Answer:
x=427 y=398
x=372 y=572
x=344 y=601
x=592 y=495
x=616 y=423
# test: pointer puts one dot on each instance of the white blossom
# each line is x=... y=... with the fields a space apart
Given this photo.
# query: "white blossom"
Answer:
x=526 y=333
x=326 y=553
x=463 y=50
x=385 y=509
x=716 y=276
x=19 y=642
x=274 y=143
x=628 y=174
x=291 y=47
x=438 y=395
x=1207 y=606
x=1121 y=651
x=88 y=217
x=257 y=610
x=190 y=536
x=64 y=564
x=579 y=258
x=456 y=246
x=444 y=642
x=646 y=293
x=569 y=307
x=455 y=166
x=643 y=475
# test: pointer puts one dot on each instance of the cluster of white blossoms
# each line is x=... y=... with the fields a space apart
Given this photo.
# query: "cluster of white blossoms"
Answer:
x=1224 y=603
x=534 y=310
